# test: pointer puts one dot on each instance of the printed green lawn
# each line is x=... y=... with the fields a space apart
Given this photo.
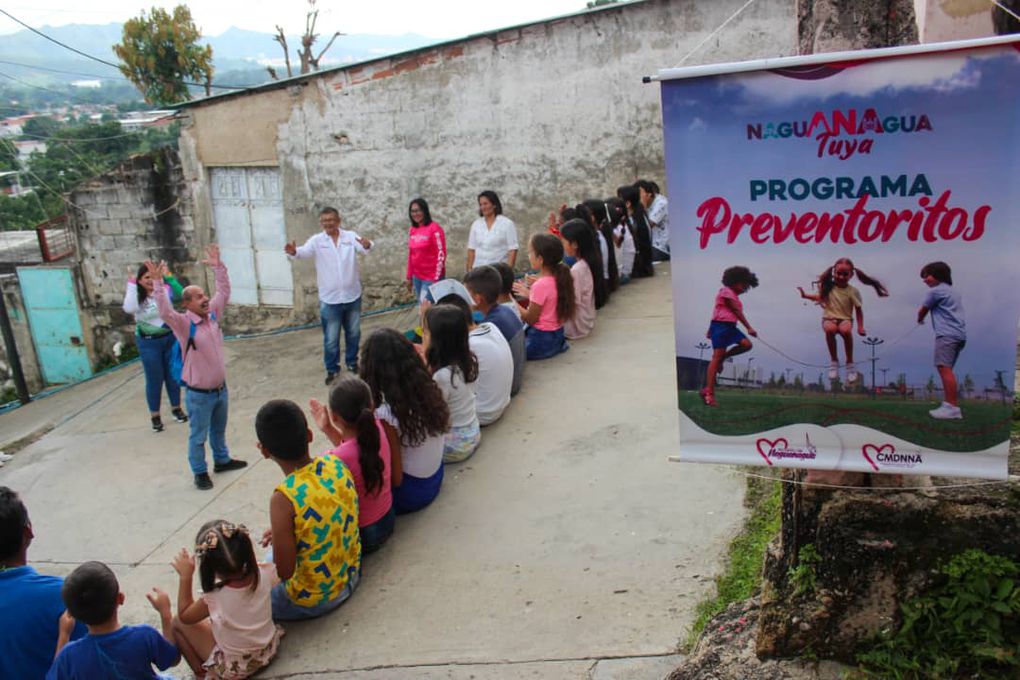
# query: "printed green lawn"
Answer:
x=744 y=412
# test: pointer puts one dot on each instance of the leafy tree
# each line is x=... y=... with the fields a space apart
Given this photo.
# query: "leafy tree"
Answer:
x=160 y=54
x=8 y=156
x=968 y=385
x=798 y=382
x=40 y=126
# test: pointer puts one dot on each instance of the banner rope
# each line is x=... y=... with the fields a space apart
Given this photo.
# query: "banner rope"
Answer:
x=715 y=32
x=1005 y=9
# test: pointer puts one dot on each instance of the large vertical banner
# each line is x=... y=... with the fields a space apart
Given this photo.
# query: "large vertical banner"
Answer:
x=846 y=260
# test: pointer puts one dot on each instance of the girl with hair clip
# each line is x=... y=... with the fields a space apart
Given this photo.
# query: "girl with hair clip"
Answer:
x=426 y=249
x=349 y=422
x=413 y=413
x=454 y=367
x=578 y=242
x=550 y=298
x=604 y=235
x=623 y=239
x=640 y=229
x=840 y=302
x=228 y=632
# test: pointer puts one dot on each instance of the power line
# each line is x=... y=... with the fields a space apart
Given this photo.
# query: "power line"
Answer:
x=69 y=73
x=50 y=138
x=26 y=84
x=103 y=61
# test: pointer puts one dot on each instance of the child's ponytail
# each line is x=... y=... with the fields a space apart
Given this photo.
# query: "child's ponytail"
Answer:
x=549 y=248
x=827 y=280
x=874 y=283
x=351 y=399
x=224 y=549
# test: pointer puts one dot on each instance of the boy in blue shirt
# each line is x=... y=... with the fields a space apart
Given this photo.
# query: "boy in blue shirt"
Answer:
x=946 y=309
x=485 y=284
x=30 y=604
x=92 y=595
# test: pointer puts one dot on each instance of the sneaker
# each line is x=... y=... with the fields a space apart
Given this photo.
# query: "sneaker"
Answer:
x=834 y=370
x=202 y=481
x=157 y=424
x=179 y=415
x=232 y=464
x=708 y=398
x=4 y=457
x=851 y=374
x=946 y=412
x=353 y=368
x=329 y=378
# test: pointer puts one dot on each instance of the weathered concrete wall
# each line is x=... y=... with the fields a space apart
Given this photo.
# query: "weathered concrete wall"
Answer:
x=11 y=291
x=140 y=210
x=542 y=114
x=842 y=25
x=942 y=20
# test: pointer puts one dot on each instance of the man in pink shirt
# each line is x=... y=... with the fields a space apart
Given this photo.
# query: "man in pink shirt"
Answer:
x=204 y=375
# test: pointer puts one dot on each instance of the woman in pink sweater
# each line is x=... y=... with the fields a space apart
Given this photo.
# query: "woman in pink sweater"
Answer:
x=426 y=249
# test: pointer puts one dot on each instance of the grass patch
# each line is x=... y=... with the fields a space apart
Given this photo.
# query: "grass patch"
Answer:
x=746 y=553
x=985 y=423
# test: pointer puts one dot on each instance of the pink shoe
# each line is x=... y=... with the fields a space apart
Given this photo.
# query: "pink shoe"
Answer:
x=707 y=397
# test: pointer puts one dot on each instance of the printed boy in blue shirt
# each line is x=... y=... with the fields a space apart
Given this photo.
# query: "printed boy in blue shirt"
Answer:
x=946 y=309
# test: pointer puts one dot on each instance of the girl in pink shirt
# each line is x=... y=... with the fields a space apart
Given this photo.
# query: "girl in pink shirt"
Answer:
x=550 y=298
x=727 y=340
x=350 y=423
x=578 y=243
x=426 y=249
x=228 y=632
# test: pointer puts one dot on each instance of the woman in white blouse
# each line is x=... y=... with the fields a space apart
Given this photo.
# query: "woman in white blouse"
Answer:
x=493 y=237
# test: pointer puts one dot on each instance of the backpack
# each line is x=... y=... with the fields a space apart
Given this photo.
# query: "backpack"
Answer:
x=177 y=358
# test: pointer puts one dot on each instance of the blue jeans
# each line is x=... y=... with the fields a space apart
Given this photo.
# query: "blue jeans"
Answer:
x=347 y=315
x=285 y=609
x=374 y=535
x=208 y=413
x=419 y=285
x=544 y=344
x=155 y=354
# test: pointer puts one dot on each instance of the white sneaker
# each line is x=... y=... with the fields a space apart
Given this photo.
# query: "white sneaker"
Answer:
x=4 y=457
x=946 y=412
x=834 y=370
x=851 y=374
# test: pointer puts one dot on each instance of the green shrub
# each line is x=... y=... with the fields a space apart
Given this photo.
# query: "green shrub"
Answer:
x=967 y=626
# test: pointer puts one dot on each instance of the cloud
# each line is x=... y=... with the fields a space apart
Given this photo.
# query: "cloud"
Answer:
x=944 y=73
x=697 y=125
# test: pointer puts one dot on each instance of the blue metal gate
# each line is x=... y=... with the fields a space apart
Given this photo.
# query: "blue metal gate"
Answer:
x=52 y=307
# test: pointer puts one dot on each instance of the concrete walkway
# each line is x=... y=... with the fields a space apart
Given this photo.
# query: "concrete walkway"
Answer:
x=567 y=547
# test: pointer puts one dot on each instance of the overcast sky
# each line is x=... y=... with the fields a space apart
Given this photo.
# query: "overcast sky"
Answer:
x=435 y=19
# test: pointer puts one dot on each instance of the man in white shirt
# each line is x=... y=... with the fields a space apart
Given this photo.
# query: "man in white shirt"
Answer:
x=336 y=267
x=657 y=210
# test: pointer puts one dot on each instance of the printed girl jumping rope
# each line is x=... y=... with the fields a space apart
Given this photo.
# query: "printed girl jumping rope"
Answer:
x=727 y=340
x=840 y=302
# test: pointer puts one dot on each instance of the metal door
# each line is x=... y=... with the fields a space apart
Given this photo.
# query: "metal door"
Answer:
x=52 y=307
x=248 y=214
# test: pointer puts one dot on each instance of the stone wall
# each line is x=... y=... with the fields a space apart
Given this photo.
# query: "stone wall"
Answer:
x=140 y=210
x=11 y=291
x=543 y=114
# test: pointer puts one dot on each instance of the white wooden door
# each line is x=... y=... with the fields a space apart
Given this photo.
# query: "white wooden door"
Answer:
x=248 y=213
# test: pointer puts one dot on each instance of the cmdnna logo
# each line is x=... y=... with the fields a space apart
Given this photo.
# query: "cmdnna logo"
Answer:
x=886 y=456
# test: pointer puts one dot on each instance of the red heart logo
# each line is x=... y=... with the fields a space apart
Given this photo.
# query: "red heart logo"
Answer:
x=769 y=445
x=875 y=450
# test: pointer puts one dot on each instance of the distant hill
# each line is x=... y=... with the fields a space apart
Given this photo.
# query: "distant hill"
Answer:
x=236 y=51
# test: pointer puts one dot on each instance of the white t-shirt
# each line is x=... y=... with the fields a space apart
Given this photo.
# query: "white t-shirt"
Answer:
x=604 y=247
x=459 y=395
x=420 y=461
x=492 y=245
x=336 y=265
x=658 y=216
x=625 y=253
x=495 y=372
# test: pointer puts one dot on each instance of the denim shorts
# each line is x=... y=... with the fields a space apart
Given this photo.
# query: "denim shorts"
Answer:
x=375 y=534
x=724 y=334
x=285 y=609
x=544 y=344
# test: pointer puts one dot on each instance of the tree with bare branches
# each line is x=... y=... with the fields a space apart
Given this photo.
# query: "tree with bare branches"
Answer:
x=309 y=60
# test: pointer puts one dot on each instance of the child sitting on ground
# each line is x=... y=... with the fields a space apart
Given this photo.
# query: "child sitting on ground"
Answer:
x=579 y=244
x=454 y=368
x=228 y=632
x=495 y=364
x=349 y=422
x=506 y=293
x=313 y=515
x=92 y=595
x=484 y=284
x=550 y=298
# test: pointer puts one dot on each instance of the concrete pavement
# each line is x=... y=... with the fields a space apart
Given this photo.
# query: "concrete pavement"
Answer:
x=567 y=547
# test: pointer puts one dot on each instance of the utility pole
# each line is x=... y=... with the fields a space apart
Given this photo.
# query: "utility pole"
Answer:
x=701 y=347
x=873 y=343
